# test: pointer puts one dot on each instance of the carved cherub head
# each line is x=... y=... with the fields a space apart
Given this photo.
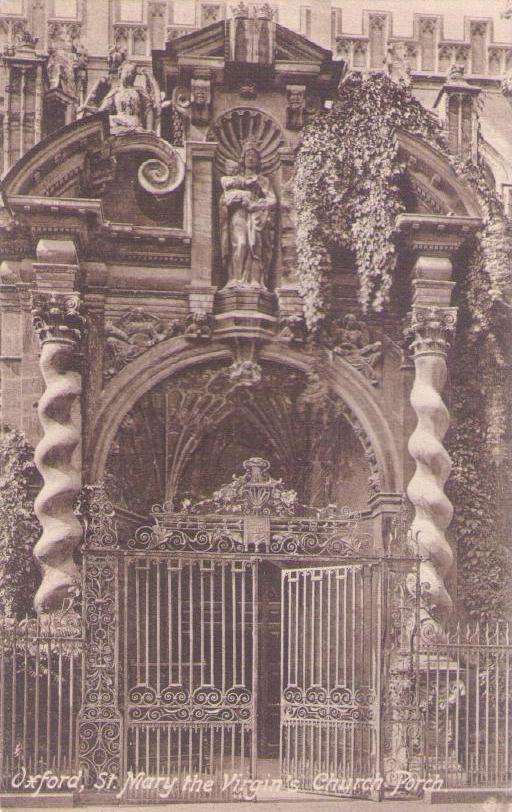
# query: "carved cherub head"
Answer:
x=231 y=167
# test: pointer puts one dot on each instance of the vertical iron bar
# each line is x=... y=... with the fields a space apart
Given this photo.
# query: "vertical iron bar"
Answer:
x=213 y=571
x=37 y=696
x=147 y=570
x=202 y=623
x=48 y=703
x=169 y=615
x=255 y=657
x=223 y=610
x=59 y=706
x=158 y=632
x=284 y=576
x=191 y=630
x=138 y=624
x=125 y=565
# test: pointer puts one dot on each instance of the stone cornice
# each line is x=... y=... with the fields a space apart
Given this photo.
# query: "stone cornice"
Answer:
x=436 y=235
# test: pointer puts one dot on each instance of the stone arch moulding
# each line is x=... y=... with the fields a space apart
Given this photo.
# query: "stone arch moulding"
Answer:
x=433 y=178
x=177 y=354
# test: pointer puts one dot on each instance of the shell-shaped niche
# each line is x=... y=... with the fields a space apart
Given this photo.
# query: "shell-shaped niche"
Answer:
x=233 y=128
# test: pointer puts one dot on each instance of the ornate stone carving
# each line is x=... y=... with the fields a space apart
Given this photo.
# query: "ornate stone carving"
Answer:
x=248 y=89
x=116 y=56
x=296 y=102
x=293 y=329
x=129 y=336
x=431 y=327
x=80 y=62
x=180 y=115
x=351 y=339
x=201 y=101
x=61 y=71
x=57 y=317
x=58 y=322
x=246 y=214
x=130 y=107
x=234 y=129
x=161 y=177
x=245 y=372
x=198 y=326
x=62 y=34
x=99 y=170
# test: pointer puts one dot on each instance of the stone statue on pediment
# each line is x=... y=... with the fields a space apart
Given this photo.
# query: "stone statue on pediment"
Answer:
x=246 y=213
x=129 y=106
x=133 y=106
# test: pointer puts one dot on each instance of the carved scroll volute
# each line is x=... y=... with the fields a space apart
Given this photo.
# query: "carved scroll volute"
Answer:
x=58 y=324
x=431 y=327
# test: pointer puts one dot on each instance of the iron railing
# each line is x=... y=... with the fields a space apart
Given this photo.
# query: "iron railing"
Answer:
x=40 y=696
x=466 y=702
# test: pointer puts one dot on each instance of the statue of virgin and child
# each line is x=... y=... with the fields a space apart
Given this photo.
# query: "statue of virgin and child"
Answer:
x=246 y=213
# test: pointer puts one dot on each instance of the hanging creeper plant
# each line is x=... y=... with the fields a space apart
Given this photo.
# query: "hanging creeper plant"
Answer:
x=347 y=187
x=347 y=192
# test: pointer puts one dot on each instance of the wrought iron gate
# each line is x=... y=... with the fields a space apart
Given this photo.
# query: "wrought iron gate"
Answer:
x=171 y=629
x=189 y=649
x=331 y=634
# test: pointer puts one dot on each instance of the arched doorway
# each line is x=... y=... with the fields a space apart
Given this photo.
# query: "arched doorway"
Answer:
x=239 y=604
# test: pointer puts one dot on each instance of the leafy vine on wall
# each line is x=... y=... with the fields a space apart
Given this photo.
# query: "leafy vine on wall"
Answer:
x=19 y=528
x=348 y=195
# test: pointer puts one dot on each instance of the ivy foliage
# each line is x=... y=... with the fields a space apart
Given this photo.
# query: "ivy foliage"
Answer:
x=347 y=187
x=19 y=528
x=348 y=195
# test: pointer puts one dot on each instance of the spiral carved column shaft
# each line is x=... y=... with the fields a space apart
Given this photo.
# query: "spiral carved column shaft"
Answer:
x=431 y=326
x=58 y=323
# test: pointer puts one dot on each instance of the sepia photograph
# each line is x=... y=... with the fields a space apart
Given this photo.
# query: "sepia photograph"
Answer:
x=256 y=405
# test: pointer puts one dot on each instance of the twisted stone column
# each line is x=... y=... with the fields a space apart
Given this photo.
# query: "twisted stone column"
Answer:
x=431 y=326
x=58 y=323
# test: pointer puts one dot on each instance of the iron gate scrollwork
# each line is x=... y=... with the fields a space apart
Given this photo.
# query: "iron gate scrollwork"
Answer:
x=189 y=646
x=330 y=674
x=99 y=720
x=172 y=631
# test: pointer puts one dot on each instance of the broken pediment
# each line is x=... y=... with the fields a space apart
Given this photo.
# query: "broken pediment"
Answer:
x=102 y=190
x=255 y=44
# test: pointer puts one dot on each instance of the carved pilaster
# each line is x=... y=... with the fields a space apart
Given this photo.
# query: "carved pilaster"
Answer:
x=58 y=324
x=431 y=327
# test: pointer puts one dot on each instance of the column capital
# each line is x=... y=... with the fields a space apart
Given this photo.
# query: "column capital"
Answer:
x=431 y=328
x=57 y=318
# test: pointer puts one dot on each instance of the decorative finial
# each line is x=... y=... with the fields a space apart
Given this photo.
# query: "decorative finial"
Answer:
x=240 y=10
x=264 y=12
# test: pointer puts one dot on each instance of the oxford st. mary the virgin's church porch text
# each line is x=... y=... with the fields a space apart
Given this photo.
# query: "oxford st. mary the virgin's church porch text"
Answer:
x=243 y=316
